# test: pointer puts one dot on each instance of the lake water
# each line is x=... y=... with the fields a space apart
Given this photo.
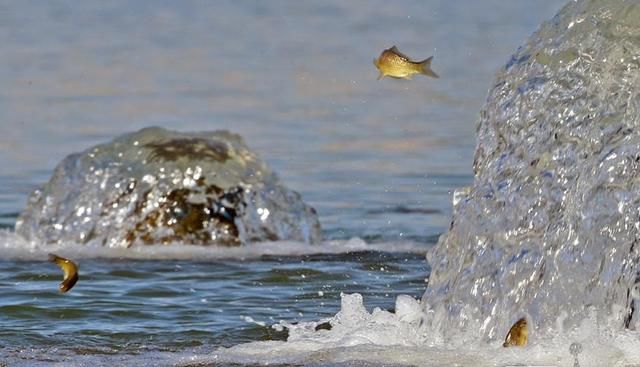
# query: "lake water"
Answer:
x=377 y=159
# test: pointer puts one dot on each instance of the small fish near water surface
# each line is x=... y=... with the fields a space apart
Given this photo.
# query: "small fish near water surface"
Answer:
x=517 y=335
x=395 y=64
x=69 y=270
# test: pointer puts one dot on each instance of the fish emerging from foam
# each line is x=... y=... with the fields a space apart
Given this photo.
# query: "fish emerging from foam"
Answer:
x=69 y=270
x=517 y=335
x=395 y=64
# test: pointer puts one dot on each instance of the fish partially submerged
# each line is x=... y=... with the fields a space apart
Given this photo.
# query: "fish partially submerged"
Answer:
x=393 y=63
x=69 y=269
x=517 y=335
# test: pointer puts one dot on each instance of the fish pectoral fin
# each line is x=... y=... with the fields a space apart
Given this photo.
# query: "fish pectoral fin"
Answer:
x=426 y=68
x=380 y=76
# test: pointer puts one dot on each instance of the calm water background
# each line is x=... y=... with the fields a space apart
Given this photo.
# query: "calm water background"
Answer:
x=377 y=159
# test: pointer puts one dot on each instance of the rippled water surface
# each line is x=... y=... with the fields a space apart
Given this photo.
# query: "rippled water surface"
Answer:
x=377 y=159
x=126 y=305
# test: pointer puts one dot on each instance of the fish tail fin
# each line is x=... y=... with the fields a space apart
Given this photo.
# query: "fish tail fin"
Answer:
x=426 y=68
x=53 y=258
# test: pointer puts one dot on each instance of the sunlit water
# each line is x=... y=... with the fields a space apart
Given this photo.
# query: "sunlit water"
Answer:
x=378 y=159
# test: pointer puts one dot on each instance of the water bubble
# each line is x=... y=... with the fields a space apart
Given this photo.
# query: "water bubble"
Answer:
x=575 y=349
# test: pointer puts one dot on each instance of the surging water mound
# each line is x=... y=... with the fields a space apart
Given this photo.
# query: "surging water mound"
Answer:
x=551 y=227
x=157 y=186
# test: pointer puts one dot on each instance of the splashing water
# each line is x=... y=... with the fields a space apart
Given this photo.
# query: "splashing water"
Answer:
x=575 y=349
x=551 y=225
x=158 y=186
x=382 y=338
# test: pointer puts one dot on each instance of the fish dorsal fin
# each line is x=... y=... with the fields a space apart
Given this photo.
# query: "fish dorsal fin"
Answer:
x=395 y=50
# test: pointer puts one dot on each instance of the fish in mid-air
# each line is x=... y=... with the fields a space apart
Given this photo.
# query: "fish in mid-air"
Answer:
x=393 y=63
x=69 y=269
x=517 y=335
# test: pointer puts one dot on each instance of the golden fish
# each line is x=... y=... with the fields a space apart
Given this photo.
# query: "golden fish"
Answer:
x=517 y=335
x=393 y=63
x=69 y=269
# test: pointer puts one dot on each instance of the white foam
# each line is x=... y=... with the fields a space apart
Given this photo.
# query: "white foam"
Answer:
x=379 y=338
x=383 y=338
x=13 y=246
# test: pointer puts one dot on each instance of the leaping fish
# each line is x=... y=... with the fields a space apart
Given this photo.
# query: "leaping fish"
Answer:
x=395 y=64
x=69 y=269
